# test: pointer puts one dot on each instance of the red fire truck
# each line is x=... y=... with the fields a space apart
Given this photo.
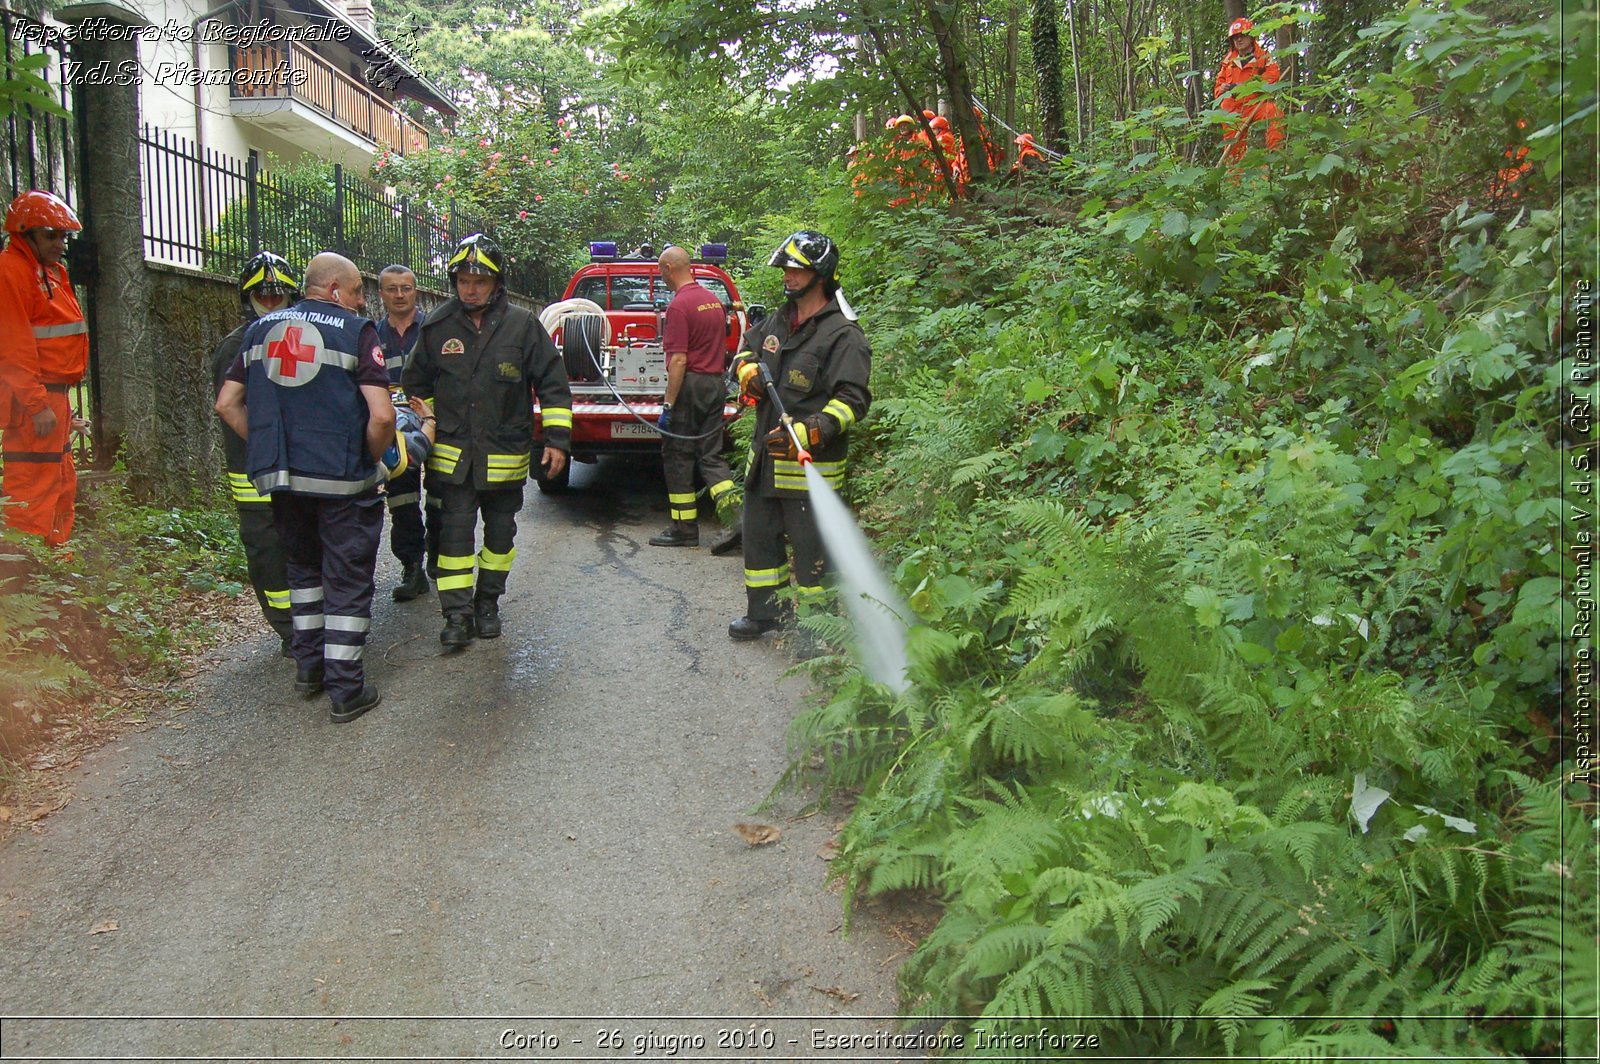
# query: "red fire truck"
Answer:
x=608 y=328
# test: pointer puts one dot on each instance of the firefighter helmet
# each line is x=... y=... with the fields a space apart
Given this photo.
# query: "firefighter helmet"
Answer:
x=809 y=250
x=265 y=274
x=38 y=209
x=1241 y=25
x=477 y=254
x=939 y=123
x=900 y=121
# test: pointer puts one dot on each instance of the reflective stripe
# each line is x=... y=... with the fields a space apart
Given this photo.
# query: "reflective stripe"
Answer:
x=308 y=622
x=680 y=498
x=691 y=514
x=404 y=498
x=49 y=332
x=269 y=482
x=813 y=592
x=499 y=563
x=556 y=417
x=276 y=600
x=48 y=457
x=404 y=461
x=455 y=572
x=456 y=561
x=243 y=490
x=454 y=583
x=766 y=577
x=340 y=652
x=444 y=458
x=337 y=623
x=305 y=594
x=324 y=357
x=840 y=411
x=720 y=488
x=507 y=467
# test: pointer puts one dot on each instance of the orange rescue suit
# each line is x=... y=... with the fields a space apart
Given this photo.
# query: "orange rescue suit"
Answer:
x=44 y=350
x=1236 y=70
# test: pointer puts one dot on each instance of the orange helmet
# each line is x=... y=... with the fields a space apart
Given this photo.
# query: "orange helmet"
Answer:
x=1024 y=139
x=929 y=115
x=939 y=123
x=37 y=209
x=1241 y=25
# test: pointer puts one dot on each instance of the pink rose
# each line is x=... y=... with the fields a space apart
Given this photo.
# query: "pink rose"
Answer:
x=522 y=214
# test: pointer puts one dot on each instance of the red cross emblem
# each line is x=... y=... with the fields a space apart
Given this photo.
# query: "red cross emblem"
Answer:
x=290 y=352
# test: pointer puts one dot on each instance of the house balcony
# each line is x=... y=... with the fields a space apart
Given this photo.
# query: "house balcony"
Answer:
x=294 y=93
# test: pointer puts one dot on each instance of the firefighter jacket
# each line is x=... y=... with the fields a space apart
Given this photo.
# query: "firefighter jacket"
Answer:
x=1236 y=70
x=308 y=418
x=481 y=382
x=821 y=370
x=44 y=340
x=240 y=486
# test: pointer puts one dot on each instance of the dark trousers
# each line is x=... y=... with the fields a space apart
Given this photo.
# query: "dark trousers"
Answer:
x=698 y=412
x=264 y=558
x=458 y=525
x=332 y=547
x=768 y=522
x=407 y=528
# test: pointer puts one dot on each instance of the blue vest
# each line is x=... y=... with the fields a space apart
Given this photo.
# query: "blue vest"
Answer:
x=308 y=419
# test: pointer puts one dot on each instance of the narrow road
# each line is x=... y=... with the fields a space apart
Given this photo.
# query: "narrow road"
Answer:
x=536 y=828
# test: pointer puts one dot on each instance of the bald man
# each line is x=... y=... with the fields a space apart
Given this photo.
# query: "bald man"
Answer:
x=309 y=393
x=694 y=340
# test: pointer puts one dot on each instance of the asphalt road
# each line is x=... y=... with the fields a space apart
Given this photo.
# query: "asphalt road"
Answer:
x=528 y=841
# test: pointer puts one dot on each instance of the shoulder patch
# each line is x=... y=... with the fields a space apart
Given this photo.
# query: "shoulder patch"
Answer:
x=453 y=346
x=770 y=344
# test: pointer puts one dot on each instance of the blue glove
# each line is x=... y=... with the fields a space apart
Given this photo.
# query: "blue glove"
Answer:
x=664 y=422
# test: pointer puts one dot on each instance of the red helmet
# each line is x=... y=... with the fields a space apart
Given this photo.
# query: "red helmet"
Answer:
x=1241 y=25
x=1024 y=139
x=37 y=209
x=939 y=123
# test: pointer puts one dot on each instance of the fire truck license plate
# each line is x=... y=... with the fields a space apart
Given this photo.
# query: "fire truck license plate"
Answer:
x=632 y=430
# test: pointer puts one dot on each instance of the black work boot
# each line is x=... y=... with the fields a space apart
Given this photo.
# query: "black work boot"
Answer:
x=733 y=538
x=344 y=712
x=745 y=629
x=486 y=614
x=413 y=582
x=458 y=631
x=678 y=534
x=308 y=682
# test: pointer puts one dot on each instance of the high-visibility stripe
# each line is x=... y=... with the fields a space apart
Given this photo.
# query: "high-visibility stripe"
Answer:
x=489 y=561
x=324 y=357
x=403 y=498
x=71 y=328
x=690 y=514
x=405 y=459
x=720 y=488
x=340 y=652
x=255 y=279
x=50 y=457
x=840 y=411
x=556 y=417
x=244 y=491
x=456 y=561
x=793 y=251
x=680 y=498
x=455 y=572
x=308 y=622
x=500 y=473
x=463 y=582
x=266 y=483
x=808 y=592
x=766 y=577
x=305 y=595
x=338 y=623
x=276 y=600
x=444 y=458
x=449 y=450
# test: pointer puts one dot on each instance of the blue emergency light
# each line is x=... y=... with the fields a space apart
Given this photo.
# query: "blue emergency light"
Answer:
x=713 y=253
x=602 y=251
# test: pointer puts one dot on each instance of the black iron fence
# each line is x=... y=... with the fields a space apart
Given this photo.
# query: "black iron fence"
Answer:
x=211 y=211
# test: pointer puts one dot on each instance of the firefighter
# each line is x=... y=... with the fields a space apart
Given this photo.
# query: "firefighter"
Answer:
x=44 y=350
x=409 y=536
x=310 y=395
x=1028 y=155
x=1246 y=61
x=480 y=361
x=694 y=340
x=266 y=284
x=819 y=358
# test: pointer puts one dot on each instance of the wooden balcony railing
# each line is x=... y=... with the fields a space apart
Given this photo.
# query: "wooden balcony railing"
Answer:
x=334 y=93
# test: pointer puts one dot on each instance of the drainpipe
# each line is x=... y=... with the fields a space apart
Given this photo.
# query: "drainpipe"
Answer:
x=199 y=90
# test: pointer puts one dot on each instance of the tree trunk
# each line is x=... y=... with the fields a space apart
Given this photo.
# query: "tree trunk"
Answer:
x=1047 y=72
x=1012 y=17
x=1077 y=69
x=958 y=86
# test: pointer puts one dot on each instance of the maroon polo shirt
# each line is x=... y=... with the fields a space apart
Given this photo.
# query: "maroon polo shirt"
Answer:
x=697 y=326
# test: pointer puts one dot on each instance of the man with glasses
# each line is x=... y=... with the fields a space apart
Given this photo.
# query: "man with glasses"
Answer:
x=409 y=539
x=44 y=350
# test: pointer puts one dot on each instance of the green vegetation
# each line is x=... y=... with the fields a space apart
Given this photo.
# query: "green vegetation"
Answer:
x=119 y=604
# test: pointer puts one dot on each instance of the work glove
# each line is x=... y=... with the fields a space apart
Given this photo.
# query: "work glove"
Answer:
x=750 y=382
x=664 y=422
x=781 y=445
